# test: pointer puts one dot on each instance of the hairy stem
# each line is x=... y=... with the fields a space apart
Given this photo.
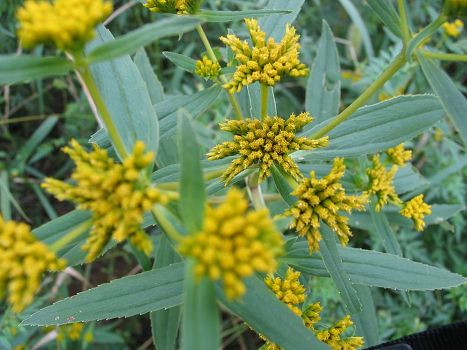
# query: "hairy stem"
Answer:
x=254 y=191
x=212 y=56
x=444 y=56
x=397 y=64
x=406 y=35
x=165 y=223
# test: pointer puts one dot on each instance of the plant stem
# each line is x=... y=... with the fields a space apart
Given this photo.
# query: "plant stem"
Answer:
x=444 y=56
x=254 y=191
x=404 y=21
x=165 y=224
x=397 y=64
x=103 y=111
x=264 y=101
x=212 y=57
x=71 y=236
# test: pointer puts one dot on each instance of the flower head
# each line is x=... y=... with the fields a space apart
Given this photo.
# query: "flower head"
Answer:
x=68 y=24
x=116 y=194
x=181 y=7
x=23 y=261
x=454 y=29
x=208 y=69
x=324 y=199
x=333 y=336
x=233 y=244
x=267 y=61
x=381 y=183
x=264 y=143
x=399 y=155
x=416 y=209
x=289 y=290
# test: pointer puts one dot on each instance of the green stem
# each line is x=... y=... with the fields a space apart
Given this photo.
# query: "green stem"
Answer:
x=165 y=224
x=404 y=21
x=397 y=64
x=444 y=56
x=264 y=101
x=212 y=57
x=103 y=111
x=71 y=236
x=254 y=191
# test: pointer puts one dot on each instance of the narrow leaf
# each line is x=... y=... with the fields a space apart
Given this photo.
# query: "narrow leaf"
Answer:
x=387 y=13
x=274 y=26
x=366 y=321
x=184 y=62
x=154 y=86
x=229 y=16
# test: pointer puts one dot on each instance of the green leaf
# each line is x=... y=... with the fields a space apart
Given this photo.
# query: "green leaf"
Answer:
x=333 y=263
x=250 y=101
x=386 y=124
x=366 y=321
x=126 y=96
x=424 y=34
x=268 y=316
x=5 y=207
x=165 y=323
x=192 y=195
x=274 y=26
x=376 y=269
x=128 y=296
x=184 y=62
x=201 y=320
x=19 y=68
x=153 y=85
x=131 y=42
x=387 y=13
x=283 y=187
x=384 y=231
x=360 y=24
x=229 y=16
x=453 y=101
x=324 y=84
x=408 y=178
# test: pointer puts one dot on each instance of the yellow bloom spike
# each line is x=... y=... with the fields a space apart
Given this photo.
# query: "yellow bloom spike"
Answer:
x=116 y=194
x=454 y=29
x=323 y=199
x=332 y=336
x=267 y=61
x=68 y=24
x=180 y=7
x=399 y=155
x=208 y=69
x=23 y=261
x=264 y=143
x=289 y=290
x=70 y=331
x=234 y=243
x=381 y=183
x=312 y=315
x=416 y=209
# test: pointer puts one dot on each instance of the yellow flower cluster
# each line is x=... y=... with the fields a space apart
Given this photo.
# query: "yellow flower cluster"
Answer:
x=454 y=29
x=267 y=61
x=70 y=331
x=180 y=7
x=333 y=336
x=264 y=143
x=116 y=194
x=68 y=24
x=288 y=290
x=399 y=155
x=291 y=292
x=23 y=261
x=233 y=244
x=323 y=199
x=416 y=209
x=381 y=183
x=208 y=69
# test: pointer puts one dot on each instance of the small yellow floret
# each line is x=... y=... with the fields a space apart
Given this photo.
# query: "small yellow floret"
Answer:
x=264 y=143
x=23 y=261
x=332 y=336
x=454 y=29
x=289 y=290
x=70 y=331
x=118 y=195
x=68 y=24
x=416 y=209
x=208 y=69
x=323 y=199
x=267 y=61
x=381 y=183
x=234 y=243
x=399 y=155
x=180 y=7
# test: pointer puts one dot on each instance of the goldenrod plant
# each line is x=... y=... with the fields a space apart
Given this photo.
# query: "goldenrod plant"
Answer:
x=230 y=201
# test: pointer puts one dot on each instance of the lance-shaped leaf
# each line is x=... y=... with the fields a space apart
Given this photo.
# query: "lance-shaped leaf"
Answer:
x=229 y=16
x=387 y=13
x=274 y=26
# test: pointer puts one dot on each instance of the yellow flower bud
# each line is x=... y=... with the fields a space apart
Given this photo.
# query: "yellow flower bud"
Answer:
x=399 y=155
x=381 y=183
x=208 y=69
x=416 y=209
